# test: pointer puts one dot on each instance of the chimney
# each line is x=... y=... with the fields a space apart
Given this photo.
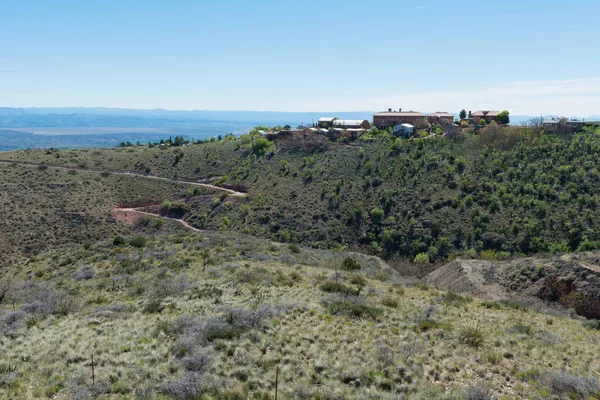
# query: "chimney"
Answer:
x=389 y=110
x=470 y=115
x=399 y=110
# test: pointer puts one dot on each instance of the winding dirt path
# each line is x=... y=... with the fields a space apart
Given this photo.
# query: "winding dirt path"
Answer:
x=139 y=212
x=128 y=173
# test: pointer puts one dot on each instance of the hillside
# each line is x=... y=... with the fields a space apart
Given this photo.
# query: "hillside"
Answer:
x=214 y=315
x=495 y=195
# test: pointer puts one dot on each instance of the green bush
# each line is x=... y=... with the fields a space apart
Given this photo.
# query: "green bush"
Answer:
x=350 y=264
x=421 y=258
x=335 y=287
x=138 y=241
x=353 y=307
x=119 y=241
x=294 y=248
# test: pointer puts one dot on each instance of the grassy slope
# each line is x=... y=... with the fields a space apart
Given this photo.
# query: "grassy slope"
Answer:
x=438 y=196
x=145 y=322
x=41 y=208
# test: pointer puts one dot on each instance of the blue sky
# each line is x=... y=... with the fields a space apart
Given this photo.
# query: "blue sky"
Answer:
x=528 y=56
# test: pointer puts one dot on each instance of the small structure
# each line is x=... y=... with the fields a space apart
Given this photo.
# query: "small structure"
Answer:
x=389 y=118
x=488 y=116
x=440 y=118
x=404 y=130
x=326 y=122
x=351 y=124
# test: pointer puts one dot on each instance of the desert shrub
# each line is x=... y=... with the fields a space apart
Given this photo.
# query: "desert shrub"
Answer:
x=478 y=392
x=335 y=287
x=454 y=299
x=390 y=302
x=592 y=324
x=166 y=205
x=167 y=285
x=119 y=241
x=562 y=382
x=351 y=306
x=198 y=362
x=350 y=264
x=138 y=242
x=45 y=300
x=472 y=336
x=294 y=248
x=153 y=306
x=506 y=303
x=12 y=321
x=84 y=273
x=358 y=280
x=187 y=388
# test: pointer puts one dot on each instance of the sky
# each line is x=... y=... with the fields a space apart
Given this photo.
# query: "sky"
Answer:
x=531 y=57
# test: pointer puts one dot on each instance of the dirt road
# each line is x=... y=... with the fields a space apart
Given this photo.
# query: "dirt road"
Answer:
x=129 y=173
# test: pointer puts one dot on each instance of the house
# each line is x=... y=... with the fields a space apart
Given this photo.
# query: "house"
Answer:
x=440 y=118
x=351 y=124
x=389 y=118
x=488 y=116
x=405 y=130
x=326 y=122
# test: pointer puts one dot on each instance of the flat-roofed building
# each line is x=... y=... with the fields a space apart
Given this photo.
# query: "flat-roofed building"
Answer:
x=386 y=119
x=442 y=118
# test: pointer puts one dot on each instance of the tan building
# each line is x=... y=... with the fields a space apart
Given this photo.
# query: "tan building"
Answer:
x=389 y=118
x=488 y=116
x=440 y=118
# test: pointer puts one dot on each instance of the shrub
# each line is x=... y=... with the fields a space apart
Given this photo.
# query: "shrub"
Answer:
x=138 y=241
x=166 y=205
x=421 y=258
x=118 y=241
x=376 y=215
x=198 y=362
x=454 y=299
x=592 y=324
x=564 y=383
x=153 y=307
x=472 y=336
x=478 y=392
x=335 y=287
x=350 y=264
x=351 y=306
x=294 y=248
x=84 y=273
x=358 y=280
x=390 y=302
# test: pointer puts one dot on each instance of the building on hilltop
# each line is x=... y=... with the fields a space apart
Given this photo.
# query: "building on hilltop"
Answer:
x=440 y=118
x=389 y=118
x=352 y=124
x=326 y=122
x=488 y=116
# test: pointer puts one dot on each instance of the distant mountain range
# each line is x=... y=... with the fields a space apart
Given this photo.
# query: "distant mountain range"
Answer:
x=229 y=121
x=104 y=127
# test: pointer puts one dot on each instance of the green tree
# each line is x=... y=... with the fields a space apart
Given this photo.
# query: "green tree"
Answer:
x=377 y=215
x=482 y=122
x=463 y=114
x=503 y=117
x=421 y=258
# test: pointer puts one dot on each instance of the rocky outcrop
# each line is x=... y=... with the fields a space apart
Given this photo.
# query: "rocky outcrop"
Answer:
x=572 y=280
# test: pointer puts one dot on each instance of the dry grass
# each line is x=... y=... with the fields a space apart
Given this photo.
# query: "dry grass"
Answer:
x=224 y=329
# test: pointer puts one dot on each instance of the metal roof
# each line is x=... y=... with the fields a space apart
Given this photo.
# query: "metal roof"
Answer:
x=327 y=119
x=440 y=114
x=348 y=122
